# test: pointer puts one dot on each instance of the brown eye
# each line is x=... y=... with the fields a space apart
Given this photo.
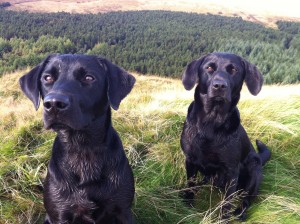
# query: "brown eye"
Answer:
x=49 y=79
x=210 y=69
x=88 y=78
x=234 y=70
x=231 y=69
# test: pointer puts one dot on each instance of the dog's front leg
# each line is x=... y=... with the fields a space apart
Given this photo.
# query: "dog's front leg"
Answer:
x=230 y=190
x=47 y=220
x=250 y=186
x=125 y=217
x=191 y=173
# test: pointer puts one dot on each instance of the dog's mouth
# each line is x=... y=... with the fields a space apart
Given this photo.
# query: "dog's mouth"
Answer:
x=216 y=98
x=58 y=122
x=61 y=126
x=219 y=99
x=58 y=126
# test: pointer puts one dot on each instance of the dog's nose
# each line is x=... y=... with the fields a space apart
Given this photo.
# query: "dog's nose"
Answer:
x=219 y=85
x=56 y=102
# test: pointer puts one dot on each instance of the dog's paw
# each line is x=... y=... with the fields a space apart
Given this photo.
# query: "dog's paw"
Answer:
x=188 y=197
x=240 y=214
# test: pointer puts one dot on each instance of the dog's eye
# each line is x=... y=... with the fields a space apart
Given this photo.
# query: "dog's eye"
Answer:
x=210 y=69
x=88 y=78
x=49 y=79
x=234 y=70
x=231 y=69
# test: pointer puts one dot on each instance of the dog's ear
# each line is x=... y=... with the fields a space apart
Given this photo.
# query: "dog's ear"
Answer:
x=30 y=82
x=120 y=83
x=253 y=78
x=191 y=74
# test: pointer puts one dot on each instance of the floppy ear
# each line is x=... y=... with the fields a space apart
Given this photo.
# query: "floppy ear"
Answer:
x=191 y=74
x=120 y=83
x=253 y=78
x=30 y=82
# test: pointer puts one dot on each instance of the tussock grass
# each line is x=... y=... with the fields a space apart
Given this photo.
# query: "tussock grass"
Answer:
x=149 y=122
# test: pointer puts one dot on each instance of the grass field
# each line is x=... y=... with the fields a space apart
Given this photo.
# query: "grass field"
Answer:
x=149 y=122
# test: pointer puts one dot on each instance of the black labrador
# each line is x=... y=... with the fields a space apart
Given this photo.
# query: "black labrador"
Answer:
x=213 y=139
x=89 y=179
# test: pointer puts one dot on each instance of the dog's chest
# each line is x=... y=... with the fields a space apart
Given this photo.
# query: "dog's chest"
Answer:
x=86 y=189
x=210 y=150
x=80 y=208
x=85 y=165
x=207 y=150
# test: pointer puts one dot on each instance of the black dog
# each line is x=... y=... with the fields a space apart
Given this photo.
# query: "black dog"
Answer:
x=213 y=140
x=89 y=179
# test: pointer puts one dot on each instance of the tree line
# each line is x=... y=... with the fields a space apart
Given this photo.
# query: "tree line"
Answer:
x=149 y=42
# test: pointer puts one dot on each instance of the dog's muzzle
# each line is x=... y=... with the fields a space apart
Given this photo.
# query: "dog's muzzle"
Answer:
x=220 y=90
x=56 y=110
x=55 y=103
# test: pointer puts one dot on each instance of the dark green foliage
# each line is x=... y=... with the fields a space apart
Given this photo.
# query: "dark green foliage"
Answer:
x=149 y=42
x=4 y=4
x=289 y=27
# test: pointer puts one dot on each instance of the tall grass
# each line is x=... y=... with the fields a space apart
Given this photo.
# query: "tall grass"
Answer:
x=149 y=122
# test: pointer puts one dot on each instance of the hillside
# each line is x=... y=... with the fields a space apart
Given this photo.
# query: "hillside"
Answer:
x=265 y=12
x=149 y=42
x=149 y=122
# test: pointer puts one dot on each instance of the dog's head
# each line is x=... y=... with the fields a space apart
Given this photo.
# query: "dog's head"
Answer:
x=75 y=89
x=220 y=76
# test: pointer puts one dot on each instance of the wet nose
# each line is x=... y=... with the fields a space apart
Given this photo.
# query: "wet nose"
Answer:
x=56 y=102
x=219 y=84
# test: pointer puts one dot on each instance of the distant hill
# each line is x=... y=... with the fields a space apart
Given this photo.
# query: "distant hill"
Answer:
x=149 y=42
x=265 y=12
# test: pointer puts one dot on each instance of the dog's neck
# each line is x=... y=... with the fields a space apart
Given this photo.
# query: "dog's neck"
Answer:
x=94 y=133
x=95 y=143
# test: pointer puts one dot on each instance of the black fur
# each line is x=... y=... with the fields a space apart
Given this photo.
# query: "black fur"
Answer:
x=89 y=179
x=213 y=140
